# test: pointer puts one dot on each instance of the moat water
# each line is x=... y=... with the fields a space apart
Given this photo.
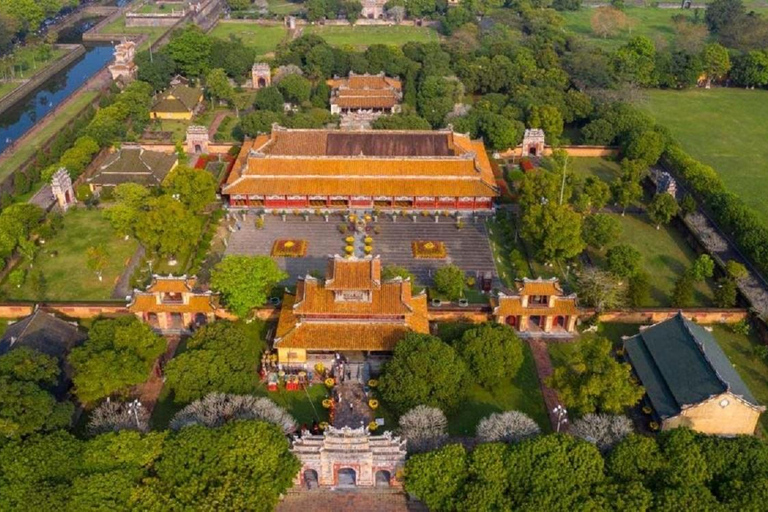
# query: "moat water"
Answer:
x=17 y=120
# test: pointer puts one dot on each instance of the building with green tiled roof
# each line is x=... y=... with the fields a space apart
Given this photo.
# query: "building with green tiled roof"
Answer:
x=133 y=164
x=689 y=380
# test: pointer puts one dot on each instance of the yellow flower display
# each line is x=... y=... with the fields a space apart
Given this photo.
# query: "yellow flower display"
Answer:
x=329 y=382
x=327 y=403
x=373 y=426
x=373 y=383
x=373 y=403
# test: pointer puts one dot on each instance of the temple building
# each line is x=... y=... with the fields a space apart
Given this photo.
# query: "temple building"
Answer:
x=369 y=169
x=369 y=93
x=133 y=164
x=347 y=457
x=124 y=68
x=689 y=381
x=352 y=311
x=373 y=9
x=172 y=304
x=540 y=306
x=181 y=102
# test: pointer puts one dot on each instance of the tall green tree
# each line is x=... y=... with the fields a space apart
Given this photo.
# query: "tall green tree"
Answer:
x=190 y=49
x=423 y=371
x=118 y=354
x=218 y=87
x=493 y=352
x=167 y=227
x=220 y=358
x=555 y=231
x=662 y=209
x=195 y=188
x=449 y=281
x=600 y=229
x=591 y=379
x=245 y=281
x=623 y=260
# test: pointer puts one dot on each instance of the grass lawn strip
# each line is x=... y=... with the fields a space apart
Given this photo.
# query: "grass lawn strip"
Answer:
x=264 y=39
x=363 y=36
x=67 y=276
x=653 y=23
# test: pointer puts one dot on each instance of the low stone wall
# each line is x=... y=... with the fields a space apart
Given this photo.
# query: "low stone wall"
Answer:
x=75 y=51
x=573 y=151
x=171 y=148
x=652 y=316
x=93 y=33
x=153 y=19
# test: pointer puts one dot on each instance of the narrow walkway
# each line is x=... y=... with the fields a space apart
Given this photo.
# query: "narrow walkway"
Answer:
x=216 y=122
x=357 y=500
x=150 y=390
x=352 y=410
x=123 y=286
x=544 y=370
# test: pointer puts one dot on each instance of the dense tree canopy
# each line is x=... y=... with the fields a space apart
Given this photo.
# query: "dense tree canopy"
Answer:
x=117 y=354
x=423 y=371
x=221 y=357
x=245 y=281
x=493 y=353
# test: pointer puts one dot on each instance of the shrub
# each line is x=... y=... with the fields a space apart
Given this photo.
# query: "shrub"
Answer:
x=425 y=428
x=602 y=430
x=506 y=427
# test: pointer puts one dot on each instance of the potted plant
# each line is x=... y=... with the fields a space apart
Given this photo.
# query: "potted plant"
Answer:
x=373 y=426
x=373 y=404
x=327 y=403
x=330 y=382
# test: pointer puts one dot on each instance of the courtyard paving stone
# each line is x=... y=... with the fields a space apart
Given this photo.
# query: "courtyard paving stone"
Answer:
x=467 y=247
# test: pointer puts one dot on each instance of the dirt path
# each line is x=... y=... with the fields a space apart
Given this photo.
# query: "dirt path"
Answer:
x=123 y=286
x=352 y=410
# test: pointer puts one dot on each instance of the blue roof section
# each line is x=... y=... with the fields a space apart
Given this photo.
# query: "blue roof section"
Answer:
x=680 y=363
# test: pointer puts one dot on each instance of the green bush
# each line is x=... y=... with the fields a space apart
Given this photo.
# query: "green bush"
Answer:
x=83 y=193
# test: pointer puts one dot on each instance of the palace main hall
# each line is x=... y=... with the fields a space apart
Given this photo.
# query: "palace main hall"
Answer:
x=368 y=169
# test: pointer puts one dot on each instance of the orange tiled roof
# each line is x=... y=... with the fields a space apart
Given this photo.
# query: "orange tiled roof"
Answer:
x=365 y=102
x=539 y=287
x=512 y=306
x=147 y=303
x=344 y=336
x=171 y=284
x=387 y=301
x=367 y=163
x=353 y=274
x=365 y=82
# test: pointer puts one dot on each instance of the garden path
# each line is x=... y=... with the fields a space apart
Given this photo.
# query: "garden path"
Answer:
x=544 y=370
x=149 y=391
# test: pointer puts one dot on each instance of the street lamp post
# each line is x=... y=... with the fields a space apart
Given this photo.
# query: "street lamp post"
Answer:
x=133 y=407
x=562 y=416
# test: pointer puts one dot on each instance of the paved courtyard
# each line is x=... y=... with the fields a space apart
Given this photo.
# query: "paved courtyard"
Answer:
x=467 y=247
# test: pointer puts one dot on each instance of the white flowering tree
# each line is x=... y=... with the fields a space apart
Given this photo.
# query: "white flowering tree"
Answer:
x=602 y=430
x=115 y=416
x=215 y=409
x=506 y=427
x=424 y=427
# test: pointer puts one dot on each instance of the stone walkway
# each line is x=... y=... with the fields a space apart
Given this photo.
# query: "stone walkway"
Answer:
x=150 y=390
x=359 y=414
x=358 y=500
x=544 y=370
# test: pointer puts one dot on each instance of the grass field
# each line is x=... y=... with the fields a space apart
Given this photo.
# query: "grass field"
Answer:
x=644 y=21
x=118 y=27
x=740 y=349
x=363 y=36
x=66 y=274
x=666 y=256
x=724 y=128
x=284 y=7
x=61 y=119
x=264 y=39
x=606 y=170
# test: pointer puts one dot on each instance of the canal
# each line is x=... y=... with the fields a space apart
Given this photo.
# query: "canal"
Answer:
x=17 y=120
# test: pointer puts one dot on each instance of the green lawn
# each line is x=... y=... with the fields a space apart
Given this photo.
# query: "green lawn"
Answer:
x=606 y=170
x=61 y=119
x=177 y=127
x=643 y=21
x=66 y=275
x=740 y=349
x=666 y=255
x=118 y=27
x=523 y=393
x=264 y=39
x=284 y=7
x=724 y=128
x=363 y=36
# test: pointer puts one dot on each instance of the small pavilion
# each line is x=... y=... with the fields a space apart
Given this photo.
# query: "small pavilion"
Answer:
x=173 y=304
x=539 y=306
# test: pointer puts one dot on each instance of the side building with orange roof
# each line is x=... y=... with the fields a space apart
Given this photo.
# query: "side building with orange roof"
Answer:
x=352 y=312
x=373 y=93
x=388 y=170
x=539 y=306
x=173 y=304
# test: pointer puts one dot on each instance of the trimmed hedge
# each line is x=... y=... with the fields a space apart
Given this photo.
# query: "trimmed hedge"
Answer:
x=731 y=213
